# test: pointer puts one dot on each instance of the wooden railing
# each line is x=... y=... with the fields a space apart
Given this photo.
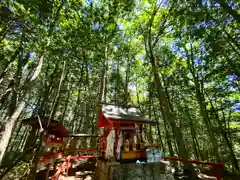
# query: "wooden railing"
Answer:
x=216 y=166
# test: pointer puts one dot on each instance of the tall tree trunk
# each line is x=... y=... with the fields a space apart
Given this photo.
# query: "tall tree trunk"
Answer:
x=75 y=112
x=126 y=95
x=67 y=101
x=13 y=119
x=194 y=136
x=205 y=117
x=5 y=95
x=39 y=149
x=57 y=97
x=117 y=94
x=87 y=119
x=161 y=94
x=8 y=63
x=162 y=98
x=46 y=91
x=17 y=78
x=202 y=104
x=158 y=126
x=225 y=137
x=14 y=84
x=102 y=87
x=150 y=116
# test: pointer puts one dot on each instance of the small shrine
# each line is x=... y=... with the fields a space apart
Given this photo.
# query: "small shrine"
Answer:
x=121 y=151
x=53 y=142
x=123 y=138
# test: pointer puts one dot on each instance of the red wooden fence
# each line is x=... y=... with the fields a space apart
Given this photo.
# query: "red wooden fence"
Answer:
x=216 y=166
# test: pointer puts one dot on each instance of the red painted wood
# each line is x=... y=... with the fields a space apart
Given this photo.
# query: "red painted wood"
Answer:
x=82 y=157
x=127 y=121
x=150 y=146
x=83 y=150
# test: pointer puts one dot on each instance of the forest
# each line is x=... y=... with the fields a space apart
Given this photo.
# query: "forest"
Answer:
x=177 y=61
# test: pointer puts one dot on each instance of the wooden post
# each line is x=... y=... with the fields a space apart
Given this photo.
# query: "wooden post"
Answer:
x=33 y=172
x=48 y=169
x=218 y=174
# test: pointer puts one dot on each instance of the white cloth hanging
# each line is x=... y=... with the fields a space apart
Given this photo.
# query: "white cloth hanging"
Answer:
x=110 y=145
x=120 y=142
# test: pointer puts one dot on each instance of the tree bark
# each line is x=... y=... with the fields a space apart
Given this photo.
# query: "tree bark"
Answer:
x=9 y=128
x=8 y=63
x=162 y=97
x=102 y=88
x=225 y=137
x=56 y=99
x=166 y=109
x=158 y=127
x=202 y=104
x=13 y=119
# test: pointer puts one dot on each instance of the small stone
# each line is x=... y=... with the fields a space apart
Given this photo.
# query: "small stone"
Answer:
x=170 y=177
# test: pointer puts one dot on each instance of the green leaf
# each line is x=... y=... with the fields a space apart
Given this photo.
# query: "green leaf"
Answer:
x=75 y=93
x=5 y=42
x=183 y=62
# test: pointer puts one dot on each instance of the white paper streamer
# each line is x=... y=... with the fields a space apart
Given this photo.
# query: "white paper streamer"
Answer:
x=110 y=145
x=120 y=142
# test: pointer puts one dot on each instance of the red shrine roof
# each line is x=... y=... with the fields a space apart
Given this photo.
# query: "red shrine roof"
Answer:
x=54 y=127
x=121 y=114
